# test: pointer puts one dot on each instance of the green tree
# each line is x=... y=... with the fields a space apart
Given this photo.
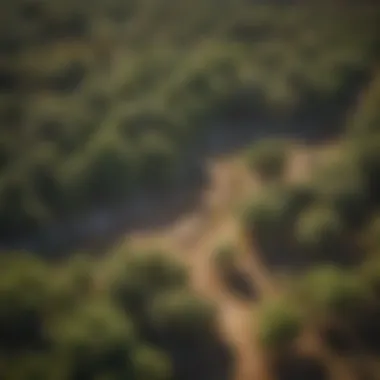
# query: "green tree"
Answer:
x=268 y=158
x=331 y=290
x=180 y=314
x=145 y=274
x=24 y=298
x=279 y=324
x=96 y=337
x=319 y=229
x=150 y=363
x=341 y=184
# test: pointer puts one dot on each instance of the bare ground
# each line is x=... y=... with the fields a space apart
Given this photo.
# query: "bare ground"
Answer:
x=194 y=238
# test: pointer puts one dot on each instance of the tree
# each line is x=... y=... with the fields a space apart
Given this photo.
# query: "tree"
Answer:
x=268 y=158
x=367 y=153
x=145 y=274
x=366 y=118
x=280 y=323
x=73 y=281
x=97 y=337
x=275 y=209
x=24 y=298
x=180 y=314
x=342 y=185
x=319 y=229
x=150 y=363
x=333 y=291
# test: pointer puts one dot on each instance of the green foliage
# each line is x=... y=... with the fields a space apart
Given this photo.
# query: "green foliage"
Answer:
x=96 y=337
x=275 y=209
x=331 y=290
x=342 y=185
x=319 y=229
x=280 y=322
x=268 y=158
x=370 y=272
x=90 y=86
x=145 y=274
x=180 y=314
x=149 y=363
x=366 y=118
x=24 y=298
x=367 y=154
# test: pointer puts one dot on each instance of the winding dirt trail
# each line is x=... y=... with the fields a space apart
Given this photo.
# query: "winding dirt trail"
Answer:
x=194 y=238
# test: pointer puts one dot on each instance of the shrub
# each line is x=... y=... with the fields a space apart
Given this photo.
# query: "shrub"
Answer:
x=366 y=118
x=319 y=229
x=180 y=314
x=157 y=160
x=143 y=275
x=332 y=290
x=96 y=336
x=342 y=185
x=275 y=209
x=110 y=175
x=370 y=272
x=72 y=282
x=367 y=154
x=24 y=297
x=68 y=78
x=149 y=363
x=279 y=324
x=268 y=158
x=371 y=238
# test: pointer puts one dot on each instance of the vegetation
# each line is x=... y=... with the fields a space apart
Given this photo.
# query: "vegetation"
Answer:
x=268 y=158
x=319 y=229
x=102 y=101
x=86 y=334
x=279 y=324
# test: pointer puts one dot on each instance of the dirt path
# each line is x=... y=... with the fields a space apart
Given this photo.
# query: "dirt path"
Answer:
x=194 y=238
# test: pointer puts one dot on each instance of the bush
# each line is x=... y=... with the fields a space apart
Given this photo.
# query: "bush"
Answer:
x=149 y=363
x=24 y=298
x=333 y=291
x=268 y=158
x=73 y=282
x=96 y=337
x=275 y=209
x=157 y=161
x=279 y=324
x=109 y=175
x=342 y=185
x=145 y=274
x=370 y=272
x=181 y=315
x=371 y=238
x=367 y=154
x=319 y=229
x=366 y=119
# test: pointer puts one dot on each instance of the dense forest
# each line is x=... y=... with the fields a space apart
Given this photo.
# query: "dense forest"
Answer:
x=102 y=101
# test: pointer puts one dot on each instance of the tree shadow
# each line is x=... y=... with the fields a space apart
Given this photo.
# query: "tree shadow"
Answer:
x=241 y=285
x=284 y=255
x=296 y=367
x=210 y=360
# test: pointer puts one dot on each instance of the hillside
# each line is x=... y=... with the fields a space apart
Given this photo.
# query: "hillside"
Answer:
x=222 y=161
x=104 y=101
